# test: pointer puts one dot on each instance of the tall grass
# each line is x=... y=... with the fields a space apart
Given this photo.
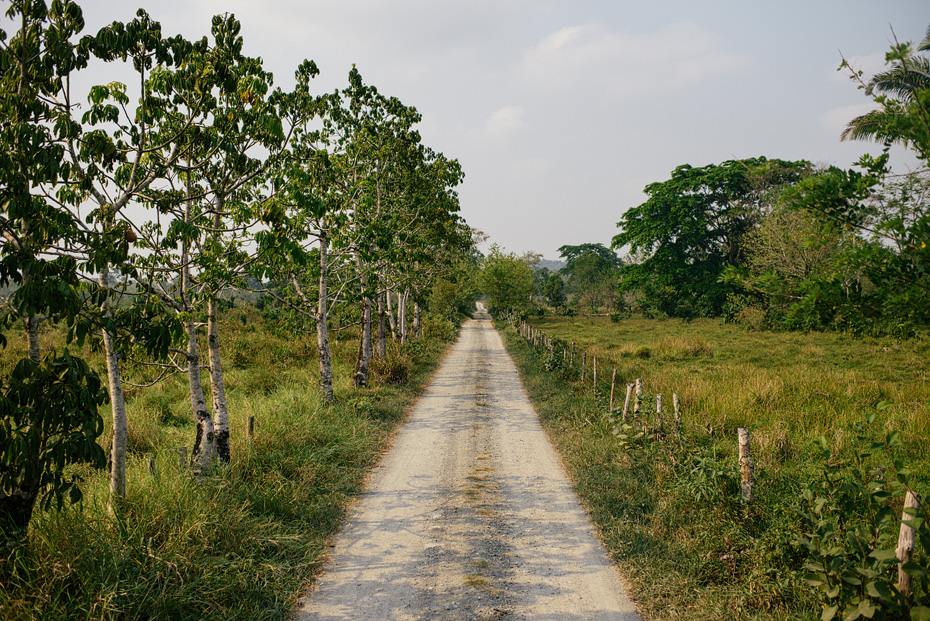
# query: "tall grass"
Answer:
x=241 y=543
x=669 y=511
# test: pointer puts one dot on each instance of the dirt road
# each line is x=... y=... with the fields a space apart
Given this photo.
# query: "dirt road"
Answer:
x=470 y=516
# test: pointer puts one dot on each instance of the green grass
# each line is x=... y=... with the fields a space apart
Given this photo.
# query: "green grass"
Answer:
x=245 y=542
x=669 y=511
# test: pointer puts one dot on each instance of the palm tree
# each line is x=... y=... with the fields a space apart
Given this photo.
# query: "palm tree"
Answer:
x=903 y=116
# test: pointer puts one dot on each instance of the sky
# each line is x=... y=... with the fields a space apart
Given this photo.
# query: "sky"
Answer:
x=562 y=111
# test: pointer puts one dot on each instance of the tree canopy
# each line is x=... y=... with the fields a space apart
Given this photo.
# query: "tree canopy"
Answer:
x=692 y=226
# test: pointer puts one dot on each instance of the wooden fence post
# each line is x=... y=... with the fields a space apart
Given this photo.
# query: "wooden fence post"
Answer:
x=745 y=466
x=637 y=404
x=594 y=376
x=676 y=402
x=584 y=364
x=905 y=547
x=572 y=361
x=613 y=383
x=626 y=402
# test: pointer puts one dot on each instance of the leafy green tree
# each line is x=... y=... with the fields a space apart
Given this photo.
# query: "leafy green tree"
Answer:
x=506 y=279
x=891 y=217
x=554 y=290
x=592 y=274
x=692 y=227
x=48 y=407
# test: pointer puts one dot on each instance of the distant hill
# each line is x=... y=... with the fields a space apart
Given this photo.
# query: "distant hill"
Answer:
x=549 y=264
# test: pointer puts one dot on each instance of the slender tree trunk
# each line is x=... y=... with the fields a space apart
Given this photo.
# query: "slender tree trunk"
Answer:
x=32 y=338
x=120 y=442
x=382 y=320
x=218 y=390
x=205 y=443
x=416 y=320
x=390 y=313
x=322 y=319
x=402 y=316
x=364 y=346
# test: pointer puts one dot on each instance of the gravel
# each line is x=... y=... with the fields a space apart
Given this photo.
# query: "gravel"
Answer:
x=470 y=515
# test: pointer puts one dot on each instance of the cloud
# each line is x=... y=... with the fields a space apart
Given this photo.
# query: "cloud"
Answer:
x=836 y=119
x=630 y=65
x=506 y=120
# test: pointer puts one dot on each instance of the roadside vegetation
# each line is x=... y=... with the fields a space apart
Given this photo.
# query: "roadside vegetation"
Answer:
x=668 y=507
x=242 y=541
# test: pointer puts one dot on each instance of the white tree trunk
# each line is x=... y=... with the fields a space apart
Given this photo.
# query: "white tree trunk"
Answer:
x=402 y=316
x=364 y=344
x=416 y=320
x=218 y=390
x=390 y=314
x=120 y=442
x=205 y=442
x=322 y=319
x=382 y=320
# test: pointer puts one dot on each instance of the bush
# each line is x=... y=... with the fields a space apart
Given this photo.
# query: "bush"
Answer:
x=442 y=328
x=392 y=369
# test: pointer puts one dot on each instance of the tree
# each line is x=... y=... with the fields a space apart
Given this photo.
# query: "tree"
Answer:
x=692 y=227
x=901 y=92
x=48 y=407
x=554 y=290
x=506 y=279
x=592 y=274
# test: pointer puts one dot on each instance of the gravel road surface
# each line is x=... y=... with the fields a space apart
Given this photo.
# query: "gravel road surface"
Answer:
x=470 y=515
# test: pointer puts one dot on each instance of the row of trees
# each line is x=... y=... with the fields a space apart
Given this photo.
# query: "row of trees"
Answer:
x=128 y=222
x=788 y=244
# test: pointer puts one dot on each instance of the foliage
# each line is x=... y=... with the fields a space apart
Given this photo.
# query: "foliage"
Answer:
x=669 y=507
x=692 y=227
x=591 y=270
x=240 y=544
x=851 y=530
x=506 y=279
x=48 y=423
x=554 y=290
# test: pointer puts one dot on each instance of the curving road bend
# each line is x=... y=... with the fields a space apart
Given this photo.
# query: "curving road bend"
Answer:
x=470 y=515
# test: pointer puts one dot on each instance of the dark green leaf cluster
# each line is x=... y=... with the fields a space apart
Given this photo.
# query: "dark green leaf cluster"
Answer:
x=851 y=530
x=48 y=420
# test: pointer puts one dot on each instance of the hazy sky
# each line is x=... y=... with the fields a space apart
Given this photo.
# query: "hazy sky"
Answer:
x=561 y=111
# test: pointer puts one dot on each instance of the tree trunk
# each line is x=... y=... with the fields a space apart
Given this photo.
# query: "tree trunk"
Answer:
x=382 y=320
x=364 y=342
x=416 y=320
x=205 y=442
x=390 y=314
x=322 y=319
x=218 y=390
x=402 y=316
x=120 y=442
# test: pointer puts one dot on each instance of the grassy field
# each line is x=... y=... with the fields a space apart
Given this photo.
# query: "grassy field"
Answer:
x=668 y=508
x=245 y=542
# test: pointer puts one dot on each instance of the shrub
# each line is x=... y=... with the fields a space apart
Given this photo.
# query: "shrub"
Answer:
x=394 y=368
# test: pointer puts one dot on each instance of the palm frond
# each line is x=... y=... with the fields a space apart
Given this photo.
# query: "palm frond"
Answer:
x=903 y=79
